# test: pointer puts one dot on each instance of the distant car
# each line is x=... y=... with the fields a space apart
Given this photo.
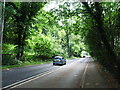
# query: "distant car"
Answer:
x=59 y=60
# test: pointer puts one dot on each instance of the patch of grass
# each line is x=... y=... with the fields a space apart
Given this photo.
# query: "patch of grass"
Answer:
x=25 y=64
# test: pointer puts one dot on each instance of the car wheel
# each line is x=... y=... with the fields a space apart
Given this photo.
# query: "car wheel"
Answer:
x=53 y=63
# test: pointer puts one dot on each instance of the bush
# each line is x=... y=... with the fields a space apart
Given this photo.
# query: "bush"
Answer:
x=9 y=59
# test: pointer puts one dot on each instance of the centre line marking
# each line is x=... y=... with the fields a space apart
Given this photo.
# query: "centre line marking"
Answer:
x=32 y=78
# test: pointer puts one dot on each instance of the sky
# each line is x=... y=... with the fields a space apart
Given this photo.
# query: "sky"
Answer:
x=55 y=4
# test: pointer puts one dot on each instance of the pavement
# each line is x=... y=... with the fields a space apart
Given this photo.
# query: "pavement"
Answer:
x=94 y=78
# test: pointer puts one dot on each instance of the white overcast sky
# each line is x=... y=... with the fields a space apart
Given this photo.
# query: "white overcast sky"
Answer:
x=55 y=4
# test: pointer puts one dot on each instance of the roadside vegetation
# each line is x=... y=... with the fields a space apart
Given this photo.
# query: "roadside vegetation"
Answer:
x=26 y=63
x=35 y=33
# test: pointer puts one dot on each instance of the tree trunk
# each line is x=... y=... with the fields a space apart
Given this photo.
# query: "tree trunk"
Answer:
x=68 y=45
x=19 y=42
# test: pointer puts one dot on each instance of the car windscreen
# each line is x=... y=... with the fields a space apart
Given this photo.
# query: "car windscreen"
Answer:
x=58 y=58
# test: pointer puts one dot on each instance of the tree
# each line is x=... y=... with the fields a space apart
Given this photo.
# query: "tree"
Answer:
x=22 y=22
x=65 y=17
x=96 y=13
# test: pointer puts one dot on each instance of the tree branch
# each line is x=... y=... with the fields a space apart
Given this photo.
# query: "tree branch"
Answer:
x=88 y=9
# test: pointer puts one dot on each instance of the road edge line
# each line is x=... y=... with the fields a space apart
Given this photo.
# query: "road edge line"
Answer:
x=81 y=85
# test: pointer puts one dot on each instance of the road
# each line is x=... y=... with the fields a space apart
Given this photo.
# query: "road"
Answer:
x=77 y=73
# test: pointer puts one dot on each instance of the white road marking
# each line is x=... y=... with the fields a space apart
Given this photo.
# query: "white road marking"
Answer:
x=83 y=76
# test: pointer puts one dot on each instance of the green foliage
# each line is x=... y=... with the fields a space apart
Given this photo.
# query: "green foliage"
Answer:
x=32 y=34
x=9 y=59
x=37 y=34
x=40 y=44
x=20 y=17
x=8 y=55
x=102 y=34
x=8 y=48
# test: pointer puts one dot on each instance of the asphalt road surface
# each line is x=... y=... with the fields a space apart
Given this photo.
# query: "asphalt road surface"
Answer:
x=77 y=73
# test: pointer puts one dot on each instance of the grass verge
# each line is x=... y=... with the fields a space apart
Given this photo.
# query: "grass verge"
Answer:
x=25 y=64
